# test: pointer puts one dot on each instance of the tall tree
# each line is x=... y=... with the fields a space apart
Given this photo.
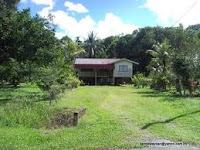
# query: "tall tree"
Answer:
x=160 y=64
x=92 y=45
x=9 y=4
x=24 y=39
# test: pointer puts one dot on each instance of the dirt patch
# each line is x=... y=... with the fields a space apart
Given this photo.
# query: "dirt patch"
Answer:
x=62 y=117
x=65 y=117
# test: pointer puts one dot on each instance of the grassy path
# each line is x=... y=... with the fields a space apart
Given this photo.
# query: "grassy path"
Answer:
x=117 y=117
x=140 y=112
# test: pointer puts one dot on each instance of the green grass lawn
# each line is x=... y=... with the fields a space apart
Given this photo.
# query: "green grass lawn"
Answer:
x=116 y=117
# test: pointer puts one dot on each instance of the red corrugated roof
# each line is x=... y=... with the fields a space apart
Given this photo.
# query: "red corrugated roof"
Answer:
x=95 y=61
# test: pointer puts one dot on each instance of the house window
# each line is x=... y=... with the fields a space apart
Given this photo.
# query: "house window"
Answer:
x=123 y=68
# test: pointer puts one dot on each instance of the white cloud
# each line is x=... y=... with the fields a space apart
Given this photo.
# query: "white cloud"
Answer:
x=111 y=25
x=43 y=2
x=60 y=34
x=170 y=11
x=75 y=7
x=72 y=27
x=46 y=10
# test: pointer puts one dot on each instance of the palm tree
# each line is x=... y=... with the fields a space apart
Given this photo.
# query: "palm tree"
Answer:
x=160 y=62
x=160 y=57
x=71 y=49
x=92 y=45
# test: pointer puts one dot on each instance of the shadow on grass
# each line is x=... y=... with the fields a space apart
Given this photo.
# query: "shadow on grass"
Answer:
x=169 y=96
x=4 y=101
x=33 y=96
x=22 y=92
x=153 y=93
x=168 y=120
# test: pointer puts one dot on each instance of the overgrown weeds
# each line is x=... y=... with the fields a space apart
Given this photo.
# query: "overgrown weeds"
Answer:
x=25 y=113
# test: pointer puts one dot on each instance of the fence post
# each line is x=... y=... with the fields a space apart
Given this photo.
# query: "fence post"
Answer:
x=75 y=118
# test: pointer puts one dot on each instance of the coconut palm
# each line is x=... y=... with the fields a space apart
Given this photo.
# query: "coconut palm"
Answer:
x=160 y=64
x=71 y=49
x=92 y=45
x=160 y=58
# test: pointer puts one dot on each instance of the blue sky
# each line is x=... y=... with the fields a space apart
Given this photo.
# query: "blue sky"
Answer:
x=112 y=17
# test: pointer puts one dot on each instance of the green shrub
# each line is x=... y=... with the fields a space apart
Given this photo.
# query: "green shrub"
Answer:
x=56 y=82
x=159 y=83
x=162 y=82
x=82 y=83
x=139 y=80
x=24 y=113
x=73 y=82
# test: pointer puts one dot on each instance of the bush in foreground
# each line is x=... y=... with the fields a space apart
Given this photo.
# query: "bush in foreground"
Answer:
x=35 y=115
